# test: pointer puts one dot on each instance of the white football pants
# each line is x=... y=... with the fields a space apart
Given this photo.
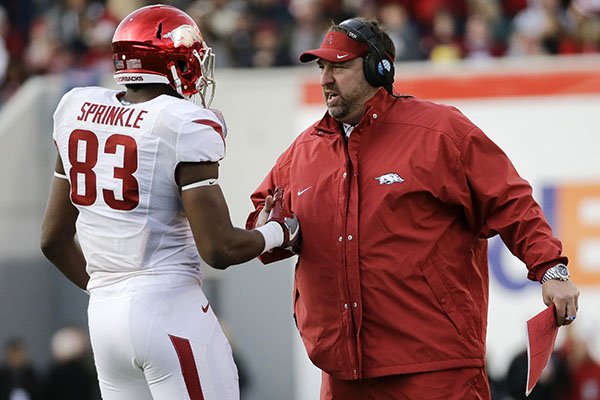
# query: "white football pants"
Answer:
x=155 y=337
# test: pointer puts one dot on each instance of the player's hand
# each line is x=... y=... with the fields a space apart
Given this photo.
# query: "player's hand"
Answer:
x=564 y=296
x=287 y=220
x=263 y=215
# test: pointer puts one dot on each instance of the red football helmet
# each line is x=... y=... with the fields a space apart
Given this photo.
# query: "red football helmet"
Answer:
x=162 y=44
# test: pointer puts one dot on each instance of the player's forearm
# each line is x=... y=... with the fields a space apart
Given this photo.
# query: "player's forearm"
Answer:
x=68 y=258
x=238 y=247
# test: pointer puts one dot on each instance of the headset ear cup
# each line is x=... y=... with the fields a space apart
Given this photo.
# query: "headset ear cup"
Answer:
x=370 y=70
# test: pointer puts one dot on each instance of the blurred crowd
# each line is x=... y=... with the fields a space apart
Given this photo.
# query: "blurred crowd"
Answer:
x=49 y=36
x=571 y=374
x=70 y=375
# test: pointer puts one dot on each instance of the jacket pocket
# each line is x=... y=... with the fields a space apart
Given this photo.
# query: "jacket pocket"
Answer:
x=445 y=300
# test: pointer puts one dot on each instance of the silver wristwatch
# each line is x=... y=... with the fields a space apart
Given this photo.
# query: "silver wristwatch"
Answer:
x=559 y=272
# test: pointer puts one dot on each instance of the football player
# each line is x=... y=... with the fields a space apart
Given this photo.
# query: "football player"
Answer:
x=136 y=180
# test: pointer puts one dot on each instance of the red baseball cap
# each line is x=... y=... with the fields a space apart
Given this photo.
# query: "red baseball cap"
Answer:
x=336 y=47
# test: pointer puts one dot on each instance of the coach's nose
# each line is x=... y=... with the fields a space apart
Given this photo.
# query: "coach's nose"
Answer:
x=326 y=75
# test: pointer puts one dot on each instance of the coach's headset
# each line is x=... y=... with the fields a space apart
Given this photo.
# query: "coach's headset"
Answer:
x=378 y=69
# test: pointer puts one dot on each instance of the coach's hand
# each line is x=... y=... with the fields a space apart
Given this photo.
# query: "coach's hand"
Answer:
x=287 y=220
x=565 y=297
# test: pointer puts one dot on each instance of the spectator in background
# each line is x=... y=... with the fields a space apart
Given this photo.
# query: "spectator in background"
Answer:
x=275 y=11
x=583 y=24
x=426 y=11
x=273 y=24
x=270 y=48
x=584 y=371
x=542 y=23
x=18 y=378
x=478 y=43
x=309 y=26
x=218 y=21
x=12 y=42
x=589 y=36
x=497 y=24
x=43 y=45
x=97 y=37
x=520 y=44
x=552 y=384
x=74 y=33
x=496 y=383
x=241 y=43
x=443 y=44
x=71 y=375
x=252 y=34
x=402 y=31
x=63 y=25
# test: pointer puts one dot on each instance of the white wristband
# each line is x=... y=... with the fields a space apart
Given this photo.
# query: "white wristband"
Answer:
x=272 y=233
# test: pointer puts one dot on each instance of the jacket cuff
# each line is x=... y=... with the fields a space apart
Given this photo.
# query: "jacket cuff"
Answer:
x=536 y=273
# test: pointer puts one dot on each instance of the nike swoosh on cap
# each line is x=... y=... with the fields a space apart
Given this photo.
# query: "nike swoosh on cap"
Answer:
x=340 y=57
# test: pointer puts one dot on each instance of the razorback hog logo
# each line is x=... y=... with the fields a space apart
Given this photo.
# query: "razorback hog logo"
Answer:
x=388 y=179
x=184 y=35
x=329 y=40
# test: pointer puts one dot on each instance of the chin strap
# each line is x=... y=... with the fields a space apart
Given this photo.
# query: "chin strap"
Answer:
x=176 y=79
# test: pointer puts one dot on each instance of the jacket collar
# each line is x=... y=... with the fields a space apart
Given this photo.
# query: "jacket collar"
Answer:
x=378 y=104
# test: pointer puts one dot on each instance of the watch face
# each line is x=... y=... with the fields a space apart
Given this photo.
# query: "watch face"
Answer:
x=562 y=270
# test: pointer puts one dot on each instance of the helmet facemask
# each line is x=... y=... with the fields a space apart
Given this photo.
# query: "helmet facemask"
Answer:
x=206 y=84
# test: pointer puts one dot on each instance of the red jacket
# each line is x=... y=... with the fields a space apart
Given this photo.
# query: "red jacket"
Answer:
x=392 y=276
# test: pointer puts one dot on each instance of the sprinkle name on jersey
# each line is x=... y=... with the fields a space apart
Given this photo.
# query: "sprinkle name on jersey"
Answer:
x=111 y=115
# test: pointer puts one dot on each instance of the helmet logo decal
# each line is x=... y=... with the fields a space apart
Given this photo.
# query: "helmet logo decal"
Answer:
x=185 y=35
x=134 y=63
x=129 y=78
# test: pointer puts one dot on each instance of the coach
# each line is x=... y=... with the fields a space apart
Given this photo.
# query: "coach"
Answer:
x=397 y=197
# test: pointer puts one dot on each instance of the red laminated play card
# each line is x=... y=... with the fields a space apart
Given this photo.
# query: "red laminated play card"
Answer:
x=541 y=334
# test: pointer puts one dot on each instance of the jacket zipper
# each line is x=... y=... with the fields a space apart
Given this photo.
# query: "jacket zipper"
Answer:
x=352 y=351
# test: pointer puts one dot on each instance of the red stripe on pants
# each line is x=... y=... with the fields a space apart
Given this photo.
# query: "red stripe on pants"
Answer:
x=188 y=367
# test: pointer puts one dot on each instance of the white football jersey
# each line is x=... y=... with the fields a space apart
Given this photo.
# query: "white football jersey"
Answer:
x=120 y=161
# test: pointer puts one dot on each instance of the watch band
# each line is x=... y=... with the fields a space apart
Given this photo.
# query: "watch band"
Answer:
x=558 y=272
